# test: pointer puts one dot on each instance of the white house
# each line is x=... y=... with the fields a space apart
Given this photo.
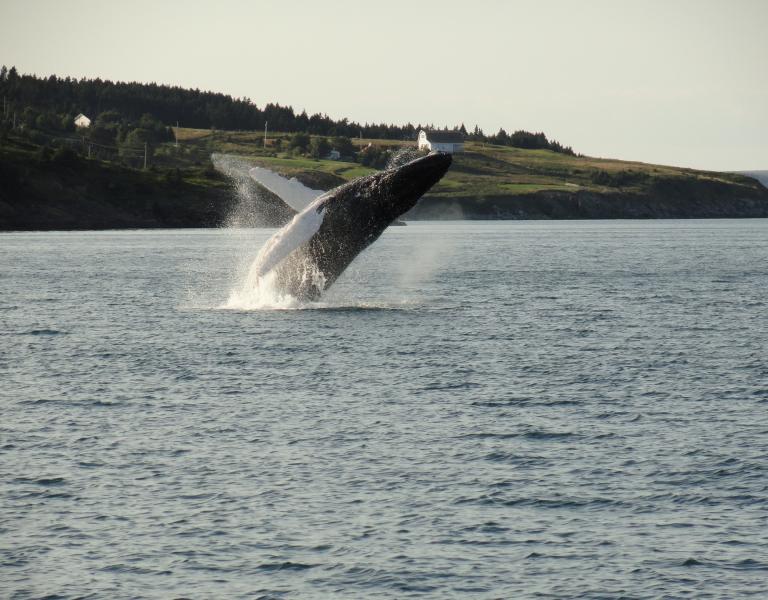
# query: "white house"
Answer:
x=82 y=121
x=334 y=155
x=444 y=141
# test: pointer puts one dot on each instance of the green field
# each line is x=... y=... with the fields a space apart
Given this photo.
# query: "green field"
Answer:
x=482 y=170
x=293 y=166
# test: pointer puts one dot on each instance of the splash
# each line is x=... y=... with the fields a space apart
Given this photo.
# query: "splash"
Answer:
x=253 y=205
x=259 y=294
x=261 y=291
x=418 y=266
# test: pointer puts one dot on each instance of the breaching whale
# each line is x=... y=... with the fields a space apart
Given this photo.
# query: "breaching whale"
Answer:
x=308 y=254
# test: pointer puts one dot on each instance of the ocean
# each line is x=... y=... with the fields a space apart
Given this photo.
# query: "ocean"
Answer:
x=475 y=410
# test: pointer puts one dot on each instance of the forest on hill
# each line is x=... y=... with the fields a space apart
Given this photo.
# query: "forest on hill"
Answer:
x=51 y=103
x=134 y=167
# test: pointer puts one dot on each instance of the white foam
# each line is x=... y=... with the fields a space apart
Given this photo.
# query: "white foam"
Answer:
x=291 y=191
x=263 y=293
x=258 y=289
x=259 y=295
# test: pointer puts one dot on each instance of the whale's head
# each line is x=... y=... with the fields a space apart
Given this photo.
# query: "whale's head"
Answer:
x=401 y=187
x=373 y=202
x=358 y=212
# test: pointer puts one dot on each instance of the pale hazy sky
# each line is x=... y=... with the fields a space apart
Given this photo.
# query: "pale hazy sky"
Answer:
x=674 y=82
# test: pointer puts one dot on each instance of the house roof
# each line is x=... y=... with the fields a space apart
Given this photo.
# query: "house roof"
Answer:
x=444 y=137
x=80 y=115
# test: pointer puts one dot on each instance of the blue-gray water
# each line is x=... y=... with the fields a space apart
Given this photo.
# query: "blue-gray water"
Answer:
x=478 y=410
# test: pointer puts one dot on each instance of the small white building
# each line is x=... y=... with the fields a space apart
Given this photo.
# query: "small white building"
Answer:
x=82 y=121
x=334 y=155
x=443 y=141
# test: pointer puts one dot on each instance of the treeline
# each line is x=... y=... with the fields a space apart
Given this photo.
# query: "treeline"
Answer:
x=303 y=145
x=526 y=139
x=53 y=102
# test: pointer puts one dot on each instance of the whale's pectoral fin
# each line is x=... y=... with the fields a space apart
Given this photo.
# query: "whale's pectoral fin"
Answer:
x=291 y=191
x=288 y=239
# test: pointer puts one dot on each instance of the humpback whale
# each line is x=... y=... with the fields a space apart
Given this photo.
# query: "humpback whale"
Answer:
x=308 y=254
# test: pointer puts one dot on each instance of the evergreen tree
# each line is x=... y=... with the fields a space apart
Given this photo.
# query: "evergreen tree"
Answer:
x=319 y=147
x=166 y=105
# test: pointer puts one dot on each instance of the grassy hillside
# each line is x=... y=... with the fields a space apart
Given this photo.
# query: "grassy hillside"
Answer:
x=489 y=181
x=761 y=176
x=61 y=190
x=40 y=189
x=483 y=170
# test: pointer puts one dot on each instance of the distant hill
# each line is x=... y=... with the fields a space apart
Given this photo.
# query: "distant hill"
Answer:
x=45 y=188
x=761 y=176
x=53 y=102
x=491 y=181
x=64 y=191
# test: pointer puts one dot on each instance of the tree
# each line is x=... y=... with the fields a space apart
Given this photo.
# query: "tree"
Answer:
x=526 y=139
x=47 y=121
x=319 y=147
x=105 y=129
x=152 y=107
x=299 y=140
x=501 y=138
x=344 y=145
x=67 y=122
x=29 y=117
x=156 y=131
x=374 y=156
x=134 y=143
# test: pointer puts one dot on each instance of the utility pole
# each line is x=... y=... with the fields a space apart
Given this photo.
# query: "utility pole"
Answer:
x=176 y=134
x=89 y=150
x=265 y=133
x=145 y=156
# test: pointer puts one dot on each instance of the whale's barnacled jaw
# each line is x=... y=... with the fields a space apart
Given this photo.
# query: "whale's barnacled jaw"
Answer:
x=366 y=206
x=406 y=184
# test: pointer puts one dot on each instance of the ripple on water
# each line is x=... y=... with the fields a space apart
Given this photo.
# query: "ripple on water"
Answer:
x=556 y=410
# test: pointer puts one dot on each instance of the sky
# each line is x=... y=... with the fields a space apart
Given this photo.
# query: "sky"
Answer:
x=676 y=82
